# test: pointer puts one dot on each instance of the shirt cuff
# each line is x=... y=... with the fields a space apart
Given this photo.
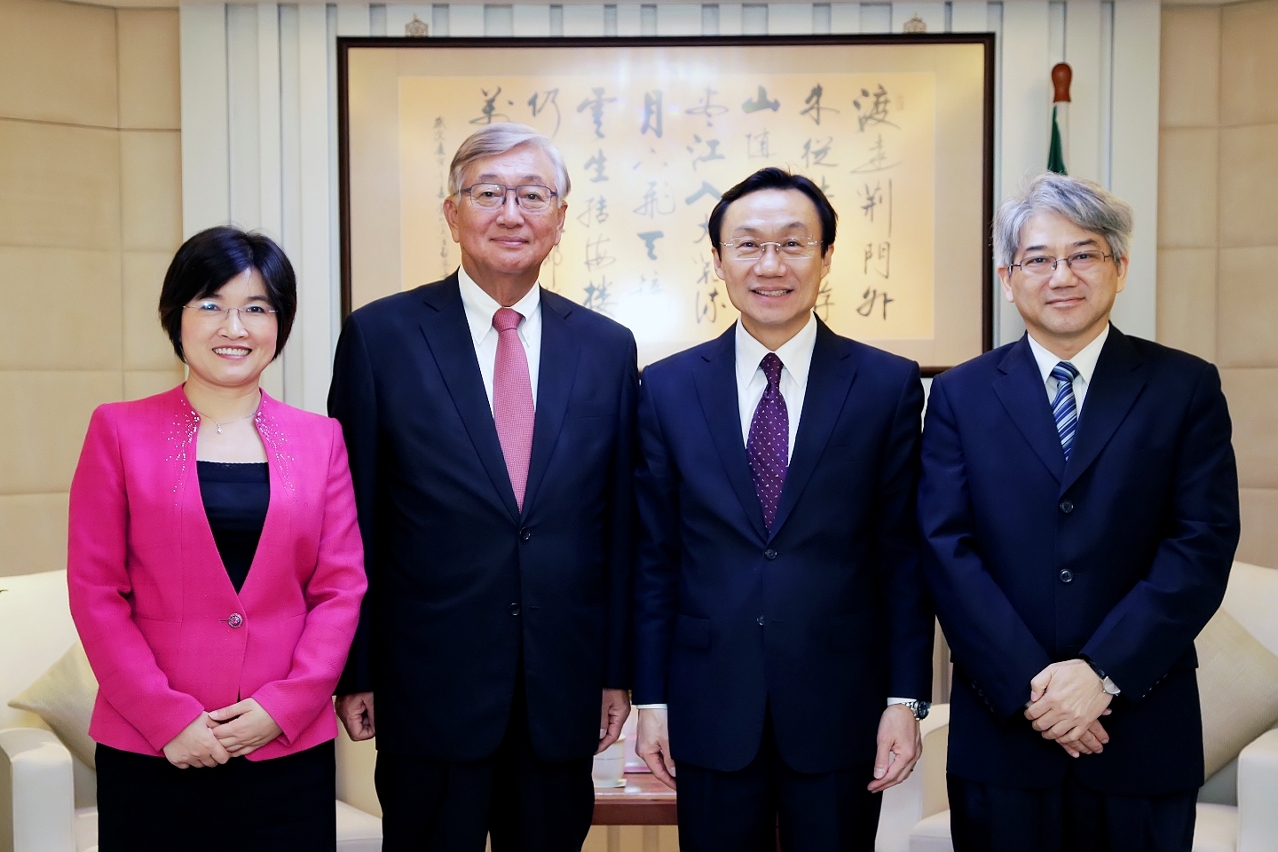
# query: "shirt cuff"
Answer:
x=892 y=701
x=650 y=706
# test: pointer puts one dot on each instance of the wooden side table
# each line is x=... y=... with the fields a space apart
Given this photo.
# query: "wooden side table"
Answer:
x=643 y=801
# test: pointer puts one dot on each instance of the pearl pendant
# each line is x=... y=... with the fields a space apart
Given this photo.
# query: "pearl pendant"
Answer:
x=219 y=429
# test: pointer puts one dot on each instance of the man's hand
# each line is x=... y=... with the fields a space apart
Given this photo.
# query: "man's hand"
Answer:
x=654 y=745
x=196 y=745
x=245 y=727
x=900 y=747
x=613 y=714
x=1066 y=699
x=356 y=713
x=1092 y=742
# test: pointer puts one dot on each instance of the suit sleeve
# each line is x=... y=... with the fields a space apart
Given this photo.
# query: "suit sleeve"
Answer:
x=99 y=588
x=657 y=566
x=989 y=639
x=1156 y=622
x=352 y=400
x=910 y=624
x=333 y=595
x=621 y=538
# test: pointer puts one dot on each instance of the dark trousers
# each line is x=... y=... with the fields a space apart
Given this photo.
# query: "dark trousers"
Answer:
x=146 y=804
x=743 y=811
x=1067 y=817
x=526 y=804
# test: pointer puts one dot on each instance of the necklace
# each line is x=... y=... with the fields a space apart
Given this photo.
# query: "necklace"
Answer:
x=229 y=422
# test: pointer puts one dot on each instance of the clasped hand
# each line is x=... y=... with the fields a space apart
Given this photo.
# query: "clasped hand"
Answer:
x=1066 y=704
x=214 y=738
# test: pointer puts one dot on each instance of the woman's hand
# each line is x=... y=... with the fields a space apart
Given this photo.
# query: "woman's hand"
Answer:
x=246 y=727
x=196 y=745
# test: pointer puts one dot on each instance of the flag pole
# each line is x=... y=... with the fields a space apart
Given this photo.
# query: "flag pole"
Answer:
x=1058 y=152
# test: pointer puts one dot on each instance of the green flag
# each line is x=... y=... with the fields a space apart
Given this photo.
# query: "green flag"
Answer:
x=1055 y=155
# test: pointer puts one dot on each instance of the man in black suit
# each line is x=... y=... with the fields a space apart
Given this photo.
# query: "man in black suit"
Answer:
x=1079 y=502
x=783 y=636
x=490 y=426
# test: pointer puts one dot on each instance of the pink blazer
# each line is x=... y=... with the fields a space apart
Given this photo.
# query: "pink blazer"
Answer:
x=162 y=625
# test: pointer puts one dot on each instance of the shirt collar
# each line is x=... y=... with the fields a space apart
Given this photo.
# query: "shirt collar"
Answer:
x=1084 y=361
x=795 y=353
x=481 y=307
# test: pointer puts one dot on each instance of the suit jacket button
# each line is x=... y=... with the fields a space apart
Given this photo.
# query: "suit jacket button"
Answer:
x=235 y=619
x=1067 y=506
x=759 y=621
x=1067 y=576
x=514 y=609
x=769 y=554
x=525 y=534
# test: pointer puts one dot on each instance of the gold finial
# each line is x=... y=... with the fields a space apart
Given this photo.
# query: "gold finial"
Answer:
x=915 y=25
x=416 y=28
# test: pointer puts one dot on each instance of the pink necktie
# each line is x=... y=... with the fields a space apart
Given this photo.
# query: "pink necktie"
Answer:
x=512 y=400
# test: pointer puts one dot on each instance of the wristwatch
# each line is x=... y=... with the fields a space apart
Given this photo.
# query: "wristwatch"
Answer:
x=1107 y=684
x=920 y=709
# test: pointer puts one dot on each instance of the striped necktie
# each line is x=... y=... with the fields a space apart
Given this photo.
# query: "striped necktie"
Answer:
x=1064 y=409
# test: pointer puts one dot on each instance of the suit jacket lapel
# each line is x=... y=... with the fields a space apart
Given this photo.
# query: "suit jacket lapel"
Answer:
x=1117 y=382
x=716 y=380
x=560 y=353
x=1023 y=394
x=447 y=336
x=830 y=379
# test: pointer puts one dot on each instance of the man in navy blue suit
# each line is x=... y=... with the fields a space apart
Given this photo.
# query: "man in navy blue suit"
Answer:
x=490 y=425
x=1079 y=502
x=783 y=637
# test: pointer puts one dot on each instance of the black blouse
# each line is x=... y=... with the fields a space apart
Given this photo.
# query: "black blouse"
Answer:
x=236 y=497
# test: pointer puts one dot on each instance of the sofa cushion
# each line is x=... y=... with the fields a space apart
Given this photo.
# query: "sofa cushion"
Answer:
x=63 y=697
x=35 y=629
x=1252 y=598
x=1238 y=685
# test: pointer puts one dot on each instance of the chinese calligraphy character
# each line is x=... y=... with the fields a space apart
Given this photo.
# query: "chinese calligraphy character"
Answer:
x=761 y=102
x=489 y=112
x=650 y=240
x=540 y=100
x=654 y=202
x=652 y=113
x=597 y=163
x=873 y=199
x=596 y=212
x=597 y=256
x=874 y=112
x=814 y=153
x=870 y=296
x=706 y=189
x=707 y=108
x=596 y=105
x=877 y=161
x=826 y=187
x=823 y=305
x=711 y=154
x=814 y=108
x=705 y=229
x=878 y=256
x=599 y=296
x=757 y=145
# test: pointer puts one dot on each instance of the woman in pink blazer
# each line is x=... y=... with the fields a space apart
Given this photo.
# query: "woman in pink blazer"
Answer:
x=216 y=574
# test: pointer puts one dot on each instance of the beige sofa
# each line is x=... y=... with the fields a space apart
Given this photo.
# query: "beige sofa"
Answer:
x=47 y=795
x=1238 y=807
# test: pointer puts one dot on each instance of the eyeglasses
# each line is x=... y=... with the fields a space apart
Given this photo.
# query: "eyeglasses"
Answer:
x=251 y=316
x=1080 y=262
x=792 y=248
x=529 y=196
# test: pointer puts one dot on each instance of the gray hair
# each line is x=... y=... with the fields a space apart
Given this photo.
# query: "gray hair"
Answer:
x=495 y=139
x=1088 y=205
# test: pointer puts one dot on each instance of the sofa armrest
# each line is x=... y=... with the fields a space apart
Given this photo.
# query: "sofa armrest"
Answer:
x=37 y=792
x=1257 y=792
x=908 y=802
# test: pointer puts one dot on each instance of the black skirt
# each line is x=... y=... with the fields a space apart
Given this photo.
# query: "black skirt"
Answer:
x=146 y=803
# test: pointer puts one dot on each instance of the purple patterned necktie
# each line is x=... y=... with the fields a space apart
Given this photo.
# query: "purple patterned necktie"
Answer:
x=768 y=446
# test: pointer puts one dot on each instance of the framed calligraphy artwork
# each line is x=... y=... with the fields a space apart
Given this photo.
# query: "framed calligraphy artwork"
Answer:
x=897 y=130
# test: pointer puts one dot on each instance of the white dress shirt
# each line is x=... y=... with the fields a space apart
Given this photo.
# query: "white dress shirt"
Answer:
x=480 y=309
x=796 y=361
x=1084 y=362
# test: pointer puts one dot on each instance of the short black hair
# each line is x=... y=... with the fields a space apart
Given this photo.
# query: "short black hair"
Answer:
x=775 y=178
x=213 y=257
